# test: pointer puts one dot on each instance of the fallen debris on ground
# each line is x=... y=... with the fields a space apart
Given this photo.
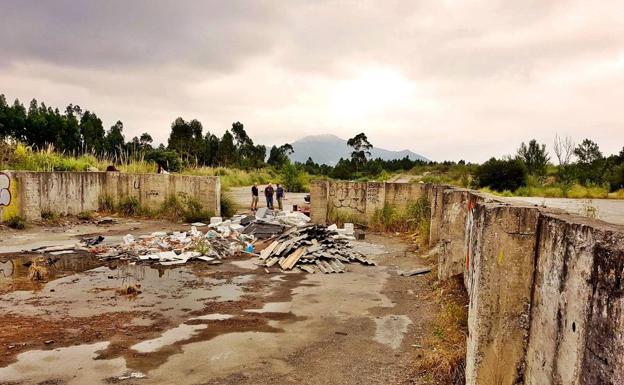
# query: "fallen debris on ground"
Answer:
x=312 y=248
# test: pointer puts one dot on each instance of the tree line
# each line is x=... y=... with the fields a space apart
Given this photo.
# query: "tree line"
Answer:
x=582 y=163
x=75 y=131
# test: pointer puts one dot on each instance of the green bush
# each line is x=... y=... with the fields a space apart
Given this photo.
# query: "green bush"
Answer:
x=501 y=175
x=228 y=207
x=106 y=203
x=172 y=208
x=17 y=223
x=195 y=212
x=129 y=206
x=292 y=178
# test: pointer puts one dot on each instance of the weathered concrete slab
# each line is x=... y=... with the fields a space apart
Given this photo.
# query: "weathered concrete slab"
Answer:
x=500 y=278
x=577 y=328
x=75 y=192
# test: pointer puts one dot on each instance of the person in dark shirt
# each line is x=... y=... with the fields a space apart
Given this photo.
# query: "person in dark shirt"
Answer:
x=279 y=194
x=268 y=193
x=254 y=197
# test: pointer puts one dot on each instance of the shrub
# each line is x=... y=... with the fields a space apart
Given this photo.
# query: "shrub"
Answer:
x=48 y=215
x=106 y=203
x=228 y=207
x=501 y=175
x=292 y=178
x=17 y=223
x=129 y=206
x=195 y=212
x=172 y=208
x=85 y=215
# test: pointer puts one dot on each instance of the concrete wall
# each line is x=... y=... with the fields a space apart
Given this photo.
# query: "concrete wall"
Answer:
x=74 y=192
x=359 y=201
x=546 y=288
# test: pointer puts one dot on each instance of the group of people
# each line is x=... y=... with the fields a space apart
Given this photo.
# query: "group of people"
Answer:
x=269 y=191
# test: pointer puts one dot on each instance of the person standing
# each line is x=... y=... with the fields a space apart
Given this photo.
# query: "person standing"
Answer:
x=268 y=193
x=254 y=197
x=279 y=194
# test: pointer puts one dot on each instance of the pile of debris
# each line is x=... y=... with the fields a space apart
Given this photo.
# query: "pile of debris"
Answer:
x=177 y=247
x=312 y=248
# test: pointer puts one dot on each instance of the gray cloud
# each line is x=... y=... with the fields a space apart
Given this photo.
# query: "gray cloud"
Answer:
x=475 y=77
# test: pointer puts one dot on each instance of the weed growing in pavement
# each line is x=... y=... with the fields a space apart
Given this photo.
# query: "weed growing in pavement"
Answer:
x=17 y=223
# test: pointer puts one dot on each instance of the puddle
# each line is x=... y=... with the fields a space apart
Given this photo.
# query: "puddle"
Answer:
x=181 y=333
x=391 y=329
x=172 y=292
x=273 y=307
x=14 y=269
x=71 y=365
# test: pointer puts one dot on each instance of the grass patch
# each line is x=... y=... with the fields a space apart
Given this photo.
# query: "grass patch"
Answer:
x=444 y=349
x=416 y=217
x=129 y=206
x=49 y=215
x=86 y=215
x=189 y=209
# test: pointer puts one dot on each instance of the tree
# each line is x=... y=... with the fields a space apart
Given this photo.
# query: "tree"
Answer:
x=588 y=152
x=227 y=151
x=278 y=156
x=92 y=132
x=534 y=157
x=145 y=140
x=501 y=175
x=115 y=140
x=361 y=149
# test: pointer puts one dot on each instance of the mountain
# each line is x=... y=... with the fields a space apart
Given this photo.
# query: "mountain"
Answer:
x=328 y=149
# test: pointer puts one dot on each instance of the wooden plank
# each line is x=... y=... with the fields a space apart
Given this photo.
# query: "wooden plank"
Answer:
x=264 y=254
x=292 y=259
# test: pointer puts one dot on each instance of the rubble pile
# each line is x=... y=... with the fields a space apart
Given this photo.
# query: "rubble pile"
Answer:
x=312 y=248
x=178 y=247
x=293 y=242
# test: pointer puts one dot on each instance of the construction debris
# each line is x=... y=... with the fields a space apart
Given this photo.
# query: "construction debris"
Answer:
x=312 y=248
x=295 y=243
x=422 y=270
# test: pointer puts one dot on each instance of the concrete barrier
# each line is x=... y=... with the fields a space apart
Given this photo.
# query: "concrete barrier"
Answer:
x=546 y=288
x=75 y=192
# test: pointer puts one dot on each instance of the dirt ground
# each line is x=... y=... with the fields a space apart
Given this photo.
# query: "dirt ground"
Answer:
x=209 y=324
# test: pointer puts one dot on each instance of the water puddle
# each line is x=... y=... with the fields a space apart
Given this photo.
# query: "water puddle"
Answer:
x=181 y=333
x=71 y=365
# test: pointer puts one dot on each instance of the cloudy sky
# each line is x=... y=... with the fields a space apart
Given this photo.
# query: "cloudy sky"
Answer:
x=447 y=79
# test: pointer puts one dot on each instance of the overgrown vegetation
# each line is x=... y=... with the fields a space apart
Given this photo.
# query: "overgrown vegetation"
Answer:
x=444 y=348
x=16 y=222
x=228 y=207
x=414 y=218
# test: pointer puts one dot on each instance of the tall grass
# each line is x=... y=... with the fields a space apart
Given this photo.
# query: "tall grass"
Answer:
x=416 y=217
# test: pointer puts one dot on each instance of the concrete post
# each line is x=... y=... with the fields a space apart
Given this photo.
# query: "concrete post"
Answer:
x=500 y=281
x=318 y=201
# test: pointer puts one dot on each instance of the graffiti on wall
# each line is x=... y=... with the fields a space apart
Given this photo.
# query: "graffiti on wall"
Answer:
x=5 y=191
x=348 y=196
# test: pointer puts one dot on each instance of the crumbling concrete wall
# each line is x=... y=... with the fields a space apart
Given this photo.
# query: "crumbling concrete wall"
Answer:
x=577 y=324
x=75 y=192
x=358 y=201
x=546 y=288
x=500 y=281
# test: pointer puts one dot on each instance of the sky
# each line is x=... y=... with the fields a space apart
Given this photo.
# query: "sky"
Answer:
x=447 y=79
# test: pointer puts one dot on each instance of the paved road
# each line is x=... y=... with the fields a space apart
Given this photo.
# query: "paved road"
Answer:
x=609 y=210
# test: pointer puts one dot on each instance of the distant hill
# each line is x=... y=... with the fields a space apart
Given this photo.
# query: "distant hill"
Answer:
x=328 y=149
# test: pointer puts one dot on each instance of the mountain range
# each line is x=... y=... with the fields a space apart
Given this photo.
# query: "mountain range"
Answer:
x=328 y=149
